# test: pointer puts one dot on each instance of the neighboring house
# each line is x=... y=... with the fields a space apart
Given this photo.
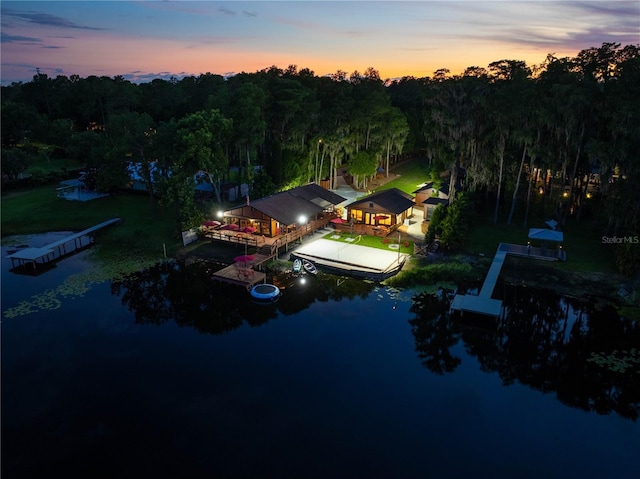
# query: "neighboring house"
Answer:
x=136 y=175
x=386 y=208
x=77 y=190
x=281 y=212
x=202 y=181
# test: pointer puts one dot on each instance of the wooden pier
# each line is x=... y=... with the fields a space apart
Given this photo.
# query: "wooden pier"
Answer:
x=483 y=303
x=243 y=274
x=240 y=275
x=57 y=249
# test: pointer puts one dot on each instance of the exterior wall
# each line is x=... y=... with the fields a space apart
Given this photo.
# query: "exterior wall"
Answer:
x=366 y=214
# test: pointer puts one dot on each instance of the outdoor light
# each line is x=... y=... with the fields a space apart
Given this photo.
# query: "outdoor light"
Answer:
x=302 y=219
x=565 y=194
x=220 y=214
x=588 y=195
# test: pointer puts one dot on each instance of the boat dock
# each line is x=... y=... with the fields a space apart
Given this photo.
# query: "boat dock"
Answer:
x=238 y=274
x=351 y=259
x=243 y=274
x=483 y=303
x=57 y=249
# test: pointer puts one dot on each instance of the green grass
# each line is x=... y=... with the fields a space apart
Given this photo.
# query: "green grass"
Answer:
x=408 y=176
x=582 y=244
x=406 y=247
x=141 y=231
x=45 y=165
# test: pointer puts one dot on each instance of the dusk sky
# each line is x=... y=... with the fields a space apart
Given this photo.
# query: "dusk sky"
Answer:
x=142 y=40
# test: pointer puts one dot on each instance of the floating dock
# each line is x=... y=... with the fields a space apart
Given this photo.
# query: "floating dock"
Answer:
x=239 y=275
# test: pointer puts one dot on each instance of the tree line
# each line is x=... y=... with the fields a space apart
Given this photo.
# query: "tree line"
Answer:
x=276 y=128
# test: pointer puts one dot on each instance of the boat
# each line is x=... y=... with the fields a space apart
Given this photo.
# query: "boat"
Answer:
x=265 y=292
x=309 y=267
x=297 y=265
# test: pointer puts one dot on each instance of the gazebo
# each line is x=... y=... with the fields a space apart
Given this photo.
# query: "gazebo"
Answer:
x=544 y=235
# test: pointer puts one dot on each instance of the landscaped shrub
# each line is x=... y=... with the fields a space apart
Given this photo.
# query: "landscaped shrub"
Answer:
x=451 y=272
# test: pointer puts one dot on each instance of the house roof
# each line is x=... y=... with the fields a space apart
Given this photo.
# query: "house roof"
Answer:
x=392 y=200
x=287 y=207
x=317 y=194
x=435 y=201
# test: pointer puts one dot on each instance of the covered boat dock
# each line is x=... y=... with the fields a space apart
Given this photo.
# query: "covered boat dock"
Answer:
x=57 y=249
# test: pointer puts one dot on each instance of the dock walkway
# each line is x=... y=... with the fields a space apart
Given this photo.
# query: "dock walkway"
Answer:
x=47 y=253
x=483 y=303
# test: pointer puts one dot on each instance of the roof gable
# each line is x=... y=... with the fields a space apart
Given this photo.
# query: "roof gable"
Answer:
x=288 y=206
x=392 y=200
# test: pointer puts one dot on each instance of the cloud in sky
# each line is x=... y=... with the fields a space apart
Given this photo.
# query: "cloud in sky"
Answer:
x=136 y=39
x=45 y=19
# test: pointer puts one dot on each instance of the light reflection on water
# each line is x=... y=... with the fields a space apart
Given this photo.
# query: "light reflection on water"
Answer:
x=169 y=375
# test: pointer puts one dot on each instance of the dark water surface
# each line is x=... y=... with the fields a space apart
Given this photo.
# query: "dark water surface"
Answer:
x=169 y=375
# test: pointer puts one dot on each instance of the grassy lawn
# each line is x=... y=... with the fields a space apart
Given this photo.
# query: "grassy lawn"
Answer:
x=141 y=231
x=45 y=165
x=582 y=243
x=407 y=176
x=371 y=241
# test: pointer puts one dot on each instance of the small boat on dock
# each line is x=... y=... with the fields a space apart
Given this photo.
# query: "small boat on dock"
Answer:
x=309 y=267
x=265 y=292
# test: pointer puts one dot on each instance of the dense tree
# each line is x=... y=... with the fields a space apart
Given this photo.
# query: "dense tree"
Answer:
x=202 y=140
x=15 y=161
x=132 y=135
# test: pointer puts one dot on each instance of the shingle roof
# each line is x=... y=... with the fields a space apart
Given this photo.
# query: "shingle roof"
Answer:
x=287 y=207
x=317 y=194
x=435 y=201
x=392 y=200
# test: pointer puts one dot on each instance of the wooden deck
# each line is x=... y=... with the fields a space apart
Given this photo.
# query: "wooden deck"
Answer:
x=483 y=303
x=54 y=250
x=280 y=241
x=240 y=275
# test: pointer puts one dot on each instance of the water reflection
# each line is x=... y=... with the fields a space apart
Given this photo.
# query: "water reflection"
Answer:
x=586 y=354
x=186 y=294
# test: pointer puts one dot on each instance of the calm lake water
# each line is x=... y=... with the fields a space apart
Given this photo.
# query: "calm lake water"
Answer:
x=169 y=375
